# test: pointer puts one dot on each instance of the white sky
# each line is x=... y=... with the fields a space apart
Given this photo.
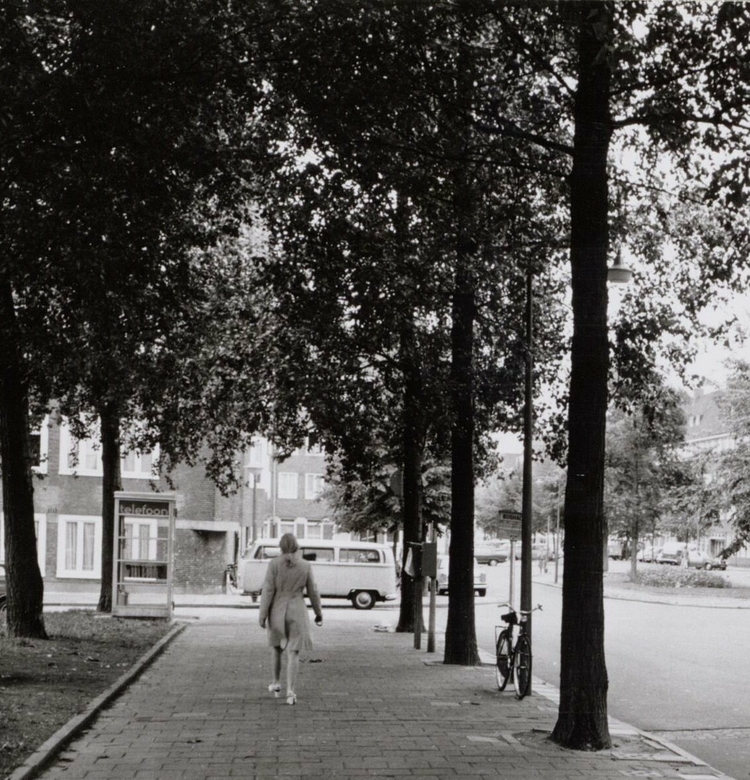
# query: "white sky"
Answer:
x=711 y=359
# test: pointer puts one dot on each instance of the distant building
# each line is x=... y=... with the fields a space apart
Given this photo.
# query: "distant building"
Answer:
x=707 y=431
x=705 y=427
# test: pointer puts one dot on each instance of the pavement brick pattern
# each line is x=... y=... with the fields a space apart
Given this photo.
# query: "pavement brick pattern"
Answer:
x=370 y=706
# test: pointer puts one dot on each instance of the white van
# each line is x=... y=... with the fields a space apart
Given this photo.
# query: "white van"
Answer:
x=362 y=572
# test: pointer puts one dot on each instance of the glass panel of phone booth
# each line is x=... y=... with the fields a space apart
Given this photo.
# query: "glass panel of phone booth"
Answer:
x=143 y=556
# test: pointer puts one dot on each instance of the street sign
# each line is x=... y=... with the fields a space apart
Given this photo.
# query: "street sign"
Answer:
x=509 y=526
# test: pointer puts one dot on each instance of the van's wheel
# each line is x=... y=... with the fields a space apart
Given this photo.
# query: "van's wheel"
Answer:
x=363 y=599
x=708 y=567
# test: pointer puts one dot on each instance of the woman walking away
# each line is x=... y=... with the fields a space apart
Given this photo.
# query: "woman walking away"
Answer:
x=283 y=608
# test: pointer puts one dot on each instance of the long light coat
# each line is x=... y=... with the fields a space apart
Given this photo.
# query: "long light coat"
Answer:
x=282 y=602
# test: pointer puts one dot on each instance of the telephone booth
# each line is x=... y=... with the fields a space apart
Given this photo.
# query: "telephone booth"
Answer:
x=143 y=555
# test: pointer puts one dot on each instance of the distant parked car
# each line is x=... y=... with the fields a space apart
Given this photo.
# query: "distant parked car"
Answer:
x=538 y=550
x=648 y=554
x=2 y=587
x=703 y=560
x=671 y=554
x=490 y=555
x=480 y=578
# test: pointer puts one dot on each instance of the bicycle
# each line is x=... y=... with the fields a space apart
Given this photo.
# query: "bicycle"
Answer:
x=230 y=578
x=513 y=660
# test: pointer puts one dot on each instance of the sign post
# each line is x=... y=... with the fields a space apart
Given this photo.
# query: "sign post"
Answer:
x=509 y=527
x=143 y=554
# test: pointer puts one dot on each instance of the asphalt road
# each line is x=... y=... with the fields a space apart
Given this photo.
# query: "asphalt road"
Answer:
x=679 y=671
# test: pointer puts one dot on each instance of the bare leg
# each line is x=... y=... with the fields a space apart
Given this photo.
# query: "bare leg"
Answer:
x=292 y=669
x=274 y=686
x=276 y=664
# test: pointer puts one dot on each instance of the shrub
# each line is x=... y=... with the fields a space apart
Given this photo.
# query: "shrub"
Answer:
x=677 y=577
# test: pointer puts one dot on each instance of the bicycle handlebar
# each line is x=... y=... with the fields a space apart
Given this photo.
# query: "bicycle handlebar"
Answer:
x=522 y=611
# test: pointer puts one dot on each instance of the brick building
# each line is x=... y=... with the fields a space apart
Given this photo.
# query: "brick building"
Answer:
x=210 y=529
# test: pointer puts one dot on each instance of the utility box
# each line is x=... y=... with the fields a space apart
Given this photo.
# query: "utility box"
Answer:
x=143 y=555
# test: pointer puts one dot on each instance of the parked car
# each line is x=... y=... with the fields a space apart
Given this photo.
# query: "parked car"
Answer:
x=480 y=578
x=671 y=554
x=2 y=587
x=363 y=572
x=703 y=560
x=538 y=550
x=490 y=555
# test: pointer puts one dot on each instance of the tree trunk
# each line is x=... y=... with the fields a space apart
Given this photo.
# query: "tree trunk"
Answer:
x=460 y=632
x=25 y=595
x=411 y=596
x=634 y=519
x=413 y=435
x=111 y=481
x=582 y=717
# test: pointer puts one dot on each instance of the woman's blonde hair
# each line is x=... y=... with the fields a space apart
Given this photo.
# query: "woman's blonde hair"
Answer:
x=288 y=544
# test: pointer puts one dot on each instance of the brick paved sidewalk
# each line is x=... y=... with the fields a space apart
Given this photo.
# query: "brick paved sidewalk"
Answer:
x=369 y=707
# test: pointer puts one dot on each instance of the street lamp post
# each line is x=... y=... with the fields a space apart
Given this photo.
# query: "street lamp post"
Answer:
x=617 y=273
x=253 y=472
x=528 y=426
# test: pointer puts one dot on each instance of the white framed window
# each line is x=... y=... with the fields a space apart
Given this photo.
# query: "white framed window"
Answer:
x=313 y=485
x=83 y=457
x=79 y=456
x=287 y=487
x=79 y=546
x=287 y=527
x=39 y=445
x=139 y=465
x=40 y=528
x=314 y=531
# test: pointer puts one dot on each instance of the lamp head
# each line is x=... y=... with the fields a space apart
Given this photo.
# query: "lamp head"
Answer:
x=618 y=273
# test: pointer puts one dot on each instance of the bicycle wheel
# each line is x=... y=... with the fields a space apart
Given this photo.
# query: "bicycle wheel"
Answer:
x=522 y=666
x=502 y=659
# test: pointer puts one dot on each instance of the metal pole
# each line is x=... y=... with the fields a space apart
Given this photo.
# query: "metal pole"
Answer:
x=512 y=589
x=557 y=533
x=528 y=425
x=433 y=600
x=418 y=588
x=254 y=529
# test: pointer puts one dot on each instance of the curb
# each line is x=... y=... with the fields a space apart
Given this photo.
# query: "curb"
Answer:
x=44 y=755
x=622 y=595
